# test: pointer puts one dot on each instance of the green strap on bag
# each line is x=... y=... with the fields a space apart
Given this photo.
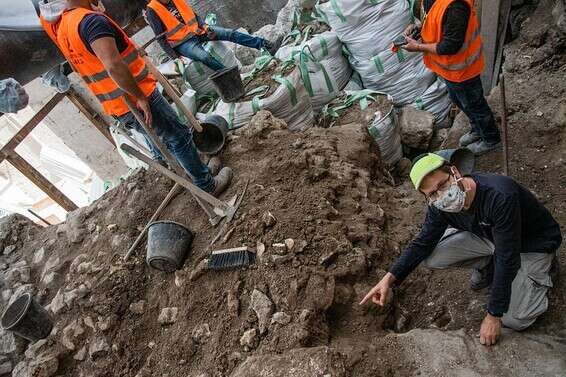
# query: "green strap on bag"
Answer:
x=337 y=10
x=378 y=64
x=292 y=90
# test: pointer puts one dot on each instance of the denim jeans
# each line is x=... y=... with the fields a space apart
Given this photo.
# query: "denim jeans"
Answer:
x=468 y=96
x=176 y=136
x=193 y=47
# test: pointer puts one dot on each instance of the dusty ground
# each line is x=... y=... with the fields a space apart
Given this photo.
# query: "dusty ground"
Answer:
x=326 y=190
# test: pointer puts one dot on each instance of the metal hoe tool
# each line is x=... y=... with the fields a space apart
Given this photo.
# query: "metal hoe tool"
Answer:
x=213 y=217
x=222 y=209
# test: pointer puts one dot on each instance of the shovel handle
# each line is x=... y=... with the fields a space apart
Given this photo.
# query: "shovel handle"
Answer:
x=173 y=93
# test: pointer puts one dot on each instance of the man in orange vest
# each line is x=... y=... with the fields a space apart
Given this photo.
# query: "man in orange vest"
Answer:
x=452 y=48
x=107 y=60
x=186 y=32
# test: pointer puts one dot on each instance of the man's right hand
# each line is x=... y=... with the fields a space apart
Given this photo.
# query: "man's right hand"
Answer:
x=381 y=293
x=409 y=30
x=143 y=105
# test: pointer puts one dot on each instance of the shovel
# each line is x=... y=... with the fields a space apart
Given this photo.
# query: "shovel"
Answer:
x=211 y=134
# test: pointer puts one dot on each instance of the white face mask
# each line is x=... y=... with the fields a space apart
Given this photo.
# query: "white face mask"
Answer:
x=451 y=200
x=51 y=10
x=98 y=7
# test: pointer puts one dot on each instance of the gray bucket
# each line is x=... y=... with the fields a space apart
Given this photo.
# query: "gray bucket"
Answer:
x=462 y=158
x=228 y=84
x=168 y=244
x=213 y=136
x=26 y=318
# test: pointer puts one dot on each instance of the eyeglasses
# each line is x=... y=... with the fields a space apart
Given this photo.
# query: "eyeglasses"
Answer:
x=442 y=187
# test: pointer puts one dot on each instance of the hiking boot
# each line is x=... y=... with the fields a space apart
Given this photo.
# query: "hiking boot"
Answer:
x=222 y=181
x=482 y=147
x=214 y=165
x=469 y=138
x=482 y=278
x=273 y=47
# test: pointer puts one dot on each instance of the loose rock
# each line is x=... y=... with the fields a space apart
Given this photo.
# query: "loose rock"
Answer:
x=168 y=316
x=138 y=307
x=249 y=339
x=263 y=308
x=98 y=347
x=281 y=318
x=201 y=333
x=416 y=127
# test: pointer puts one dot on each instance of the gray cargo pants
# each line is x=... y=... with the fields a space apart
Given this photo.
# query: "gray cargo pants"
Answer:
x=528 y=293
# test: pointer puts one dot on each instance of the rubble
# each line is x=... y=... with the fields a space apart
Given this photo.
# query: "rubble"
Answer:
x=249 y=339
x=416 y=127
x=263 y=308
x=168 y=316
x=98 y=347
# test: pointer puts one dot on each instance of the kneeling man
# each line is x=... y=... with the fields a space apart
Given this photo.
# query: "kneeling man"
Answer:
x=489 y=223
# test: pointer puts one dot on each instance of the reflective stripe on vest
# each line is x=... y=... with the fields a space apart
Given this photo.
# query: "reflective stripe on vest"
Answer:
x=460 y=66
x=119 y=92
x=128 y=59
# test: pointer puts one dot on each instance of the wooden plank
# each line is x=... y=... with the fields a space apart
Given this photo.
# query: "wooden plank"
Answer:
x=489 y=28
x=505 y=12
x=90 y=114
x=30 y=125
x=40 y=181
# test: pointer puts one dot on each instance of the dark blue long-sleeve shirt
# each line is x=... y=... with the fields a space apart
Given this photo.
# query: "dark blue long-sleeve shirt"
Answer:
x=504 y=212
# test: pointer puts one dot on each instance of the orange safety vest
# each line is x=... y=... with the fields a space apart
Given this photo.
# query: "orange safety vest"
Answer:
x=177 y=32
x=468 y=62
x=50 y=29
x=91 y=69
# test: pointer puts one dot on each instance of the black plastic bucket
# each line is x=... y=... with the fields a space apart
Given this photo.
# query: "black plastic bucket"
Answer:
x=213 y=135
x=26 y=318
x=168 y=244
x=228 y=84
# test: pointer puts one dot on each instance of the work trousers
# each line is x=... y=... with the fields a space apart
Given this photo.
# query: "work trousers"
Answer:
x=176 y=136
x=461 y=249
x=193 y=47
x=468 y=96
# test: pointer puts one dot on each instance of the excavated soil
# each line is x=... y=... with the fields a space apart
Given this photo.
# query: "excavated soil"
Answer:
x=354 y=113
x=322 y=188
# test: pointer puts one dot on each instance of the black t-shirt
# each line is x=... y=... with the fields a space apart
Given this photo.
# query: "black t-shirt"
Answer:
x=174 y=11
x=96 y=26
x=454 y=26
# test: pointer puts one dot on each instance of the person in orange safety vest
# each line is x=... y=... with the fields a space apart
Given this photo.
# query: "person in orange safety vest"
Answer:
x=185 y=33
x=452 y=48
x=108 y=62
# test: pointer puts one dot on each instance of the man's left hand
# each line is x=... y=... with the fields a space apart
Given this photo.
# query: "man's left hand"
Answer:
x=412 y=45
x=210 y=34
x=490 y=330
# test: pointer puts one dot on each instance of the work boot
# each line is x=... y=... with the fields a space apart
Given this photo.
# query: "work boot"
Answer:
x=482 y=147
x=214 y=165
x=273 y=47
x=222 y=181
x=482 y=278
x=469 y=138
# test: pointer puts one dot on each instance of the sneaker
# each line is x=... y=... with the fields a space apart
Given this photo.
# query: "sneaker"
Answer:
x=469 y=138
x=214 y=165
x=482 y=278
x=222 y=181
x=482 y=147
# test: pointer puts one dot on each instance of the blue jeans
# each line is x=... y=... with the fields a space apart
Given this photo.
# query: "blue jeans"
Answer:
x=468 y=96
x=192 y=48
x=176 y=136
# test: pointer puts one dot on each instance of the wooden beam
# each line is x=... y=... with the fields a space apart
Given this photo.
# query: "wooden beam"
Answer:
x=40 y=181
x=29 y=126
x=90 y=114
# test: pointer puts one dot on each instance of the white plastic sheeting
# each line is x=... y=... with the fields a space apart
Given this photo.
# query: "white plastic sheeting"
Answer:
x=289 y=102
x=367 y=28
x=325 y=71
